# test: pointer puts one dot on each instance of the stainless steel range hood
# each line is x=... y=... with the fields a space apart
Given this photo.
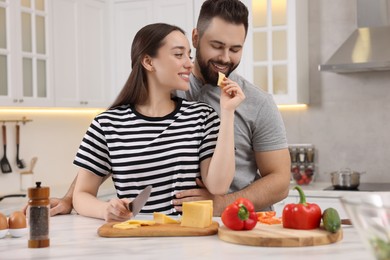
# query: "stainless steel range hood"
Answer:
x=368 y=47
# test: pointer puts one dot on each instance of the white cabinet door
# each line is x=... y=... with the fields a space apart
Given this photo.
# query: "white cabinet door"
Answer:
x=130 y=16
x=80 y=37
x=65 y=47
x=278 y=38
x=93 y=36
x=25 y=54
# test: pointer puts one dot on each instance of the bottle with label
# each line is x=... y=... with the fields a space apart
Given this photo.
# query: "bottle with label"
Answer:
x=38 y=213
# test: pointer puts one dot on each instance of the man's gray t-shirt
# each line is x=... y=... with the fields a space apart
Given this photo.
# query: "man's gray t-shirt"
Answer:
x=258 y=126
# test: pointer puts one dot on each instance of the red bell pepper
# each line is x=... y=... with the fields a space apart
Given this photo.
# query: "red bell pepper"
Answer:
x=302 y=215
x=240 y=215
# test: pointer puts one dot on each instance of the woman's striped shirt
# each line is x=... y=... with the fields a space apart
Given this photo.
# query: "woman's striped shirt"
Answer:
x=164 y=152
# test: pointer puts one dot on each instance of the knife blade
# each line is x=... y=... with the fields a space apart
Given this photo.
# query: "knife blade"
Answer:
x=137 y=204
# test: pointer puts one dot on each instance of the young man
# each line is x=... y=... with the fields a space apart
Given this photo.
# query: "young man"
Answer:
x=262 y=158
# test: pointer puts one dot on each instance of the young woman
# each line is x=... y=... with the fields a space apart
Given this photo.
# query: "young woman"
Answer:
x=149 y=137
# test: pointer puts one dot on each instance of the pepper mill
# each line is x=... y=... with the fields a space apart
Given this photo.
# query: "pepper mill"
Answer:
x=38 y=216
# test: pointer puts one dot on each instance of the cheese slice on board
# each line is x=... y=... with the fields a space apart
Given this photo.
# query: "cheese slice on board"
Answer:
x=161 y=218
x=197 y=214
x=125 y=225
x=129 y=224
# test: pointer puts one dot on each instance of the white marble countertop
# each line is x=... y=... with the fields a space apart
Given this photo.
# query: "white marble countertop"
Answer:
x=75 y=237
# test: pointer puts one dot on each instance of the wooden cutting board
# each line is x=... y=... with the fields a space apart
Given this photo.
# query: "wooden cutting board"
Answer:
x=277 y=236
x=157 y=230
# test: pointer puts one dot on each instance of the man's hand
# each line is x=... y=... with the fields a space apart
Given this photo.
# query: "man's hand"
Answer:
x=57 y=206
x=198 y=194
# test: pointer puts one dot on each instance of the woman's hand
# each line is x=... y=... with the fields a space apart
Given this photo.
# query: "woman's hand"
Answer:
x=117 y=210
x=231 y=95
x=60 y=206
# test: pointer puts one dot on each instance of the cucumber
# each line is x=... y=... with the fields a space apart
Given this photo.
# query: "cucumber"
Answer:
x=331 y=220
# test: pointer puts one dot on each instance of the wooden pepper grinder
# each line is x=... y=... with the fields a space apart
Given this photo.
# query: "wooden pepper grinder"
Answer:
x=38 y=216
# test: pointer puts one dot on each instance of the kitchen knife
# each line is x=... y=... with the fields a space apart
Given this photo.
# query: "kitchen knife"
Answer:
x=137 y=204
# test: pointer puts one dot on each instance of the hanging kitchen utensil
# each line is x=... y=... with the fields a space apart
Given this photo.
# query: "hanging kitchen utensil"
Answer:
x=19 y=162
x=5 y=166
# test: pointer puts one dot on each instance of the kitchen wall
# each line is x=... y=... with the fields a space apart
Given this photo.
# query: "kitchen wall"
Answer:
x=53 y=137
x=348 y=119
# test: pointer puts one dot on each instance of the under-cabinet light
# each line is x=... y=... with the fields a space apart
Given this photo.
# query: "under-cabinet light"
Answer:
x=297 y=106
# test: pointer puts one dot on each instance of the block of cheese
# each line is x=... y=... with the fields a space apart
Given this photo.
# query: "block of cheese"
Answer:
x=161 y=218
x=197 y=214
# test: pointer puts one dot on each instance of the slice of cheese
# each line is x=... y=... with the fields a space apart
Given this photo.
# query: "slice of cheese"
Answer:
x=221 y=76
x=161 y=218
x=142 y=222
x=129 y=224
x=126 y=226
x=197 y=214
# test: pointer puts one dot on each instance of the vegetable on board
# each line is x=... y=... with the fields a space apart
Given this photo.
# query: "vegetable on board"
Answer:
x=240 y=215
x=302 y=215
x=268 y=217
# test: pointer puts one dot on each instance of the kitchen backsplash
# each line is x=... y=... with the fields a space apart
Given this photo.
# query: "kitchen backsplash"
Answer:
x=51 y=137
x=348 y=117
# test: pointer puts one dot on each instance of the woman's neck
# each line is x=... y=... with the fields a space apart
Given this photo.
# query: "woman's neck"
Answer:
x=156 y=106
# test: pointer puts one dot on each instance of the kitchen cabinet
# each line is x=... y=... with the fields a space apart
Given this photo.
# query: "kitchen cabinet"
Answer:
x=278 y=41
x=25 y=53
x=81 y=53
x=129 y=16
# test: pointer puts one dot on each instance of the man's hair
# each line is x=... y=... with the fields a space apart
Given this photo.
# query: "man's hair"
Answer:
x=231 y=11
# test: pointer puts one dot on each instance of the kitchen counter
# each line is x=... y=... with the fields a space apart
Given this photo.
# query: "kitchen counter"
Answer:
x=75 y=237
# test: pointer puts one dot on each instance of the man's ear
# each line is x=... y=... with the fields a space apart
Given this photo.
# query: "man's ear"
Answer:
x=147 y=63
x=195 y=38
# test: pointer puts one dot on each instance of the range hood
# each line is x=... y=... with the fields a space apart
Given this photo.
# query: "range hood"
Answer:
x=368 y=47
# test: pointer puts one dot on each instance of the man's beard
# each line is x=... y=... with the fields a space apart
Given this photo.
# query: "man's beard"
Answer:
x=210 y=76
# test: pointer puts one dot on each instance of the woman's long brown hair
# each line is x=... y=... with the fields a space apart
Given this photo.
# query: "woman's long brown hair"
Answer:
x=147 y=41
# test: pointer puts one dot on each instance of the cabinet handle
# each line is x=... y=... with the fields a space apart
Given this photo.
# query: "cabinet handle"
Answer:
x=21 y=100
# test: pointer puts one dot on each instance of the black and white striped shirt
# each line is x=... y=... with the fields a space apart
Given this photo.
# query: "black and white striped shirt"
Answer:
x=164 y=152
